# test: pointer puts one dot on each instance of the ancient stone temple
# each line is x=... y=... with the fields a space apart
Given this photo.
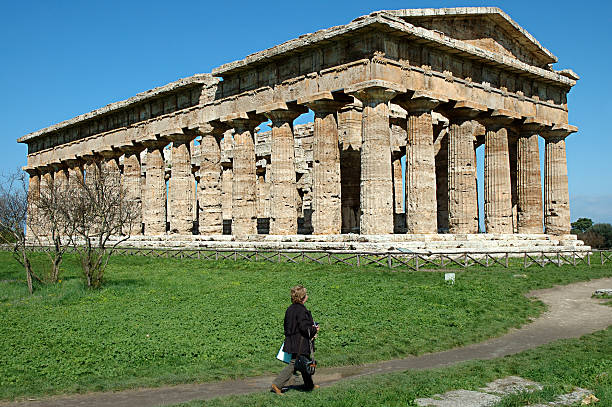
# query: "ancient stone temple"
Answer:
x=401 y=99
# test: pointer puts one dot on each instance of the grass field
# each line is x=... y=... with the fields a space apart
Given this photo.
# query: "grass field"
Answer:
x=560 y=366
x=164 y=321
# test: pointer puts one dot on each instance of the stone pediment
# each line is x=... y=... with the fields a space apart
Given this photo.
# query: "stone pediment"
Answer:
x=488 y=28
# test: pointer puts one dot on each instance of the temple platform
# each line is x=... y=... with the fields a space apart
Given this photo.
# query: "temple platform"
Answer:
x=410 y=243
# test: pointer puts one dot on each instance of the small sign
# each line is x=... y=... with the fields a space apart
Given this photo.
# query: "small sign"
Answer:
x=450 y=277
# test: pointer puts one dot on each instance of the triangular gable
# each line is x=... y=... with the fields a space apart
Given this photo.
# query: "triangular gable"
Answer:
x=488 y=28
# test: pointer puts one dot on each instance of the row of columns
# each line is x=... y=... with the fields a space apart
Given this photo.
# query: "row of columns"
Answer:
x=376 y=172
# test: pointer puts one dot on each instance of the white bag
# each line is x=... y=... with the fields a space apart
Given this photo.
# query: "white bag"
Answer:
x=282 y=355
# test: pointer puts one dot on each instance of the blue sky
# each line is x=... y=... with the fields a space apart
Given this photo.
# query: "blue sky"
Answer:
x=63 y=58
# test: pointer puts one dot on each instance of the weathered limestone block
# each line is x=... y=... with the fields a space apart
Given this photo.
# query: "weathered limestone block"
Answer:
x=497 y=188
x=244 y=209
x=210 y=191
x=131 y=181
x=326 y=204
x=283 y=192
x=180 y=189
x=556 y=192
x=462 y=207
x=529 y=183
x=376 y=179
x=154 y=209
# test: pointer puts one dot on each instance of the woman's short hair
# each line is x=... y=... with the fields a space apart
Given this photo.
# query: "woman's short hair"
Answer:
x=298 y=293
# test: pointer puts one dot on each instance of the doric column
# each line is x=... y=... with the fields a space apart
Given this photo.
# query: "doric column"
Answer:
x=421 y=206
x=349 y=136
x=376 y=180
x=75 y=173
x=497 y=185
x=528 y=180
x=398 y=192
x=110 y=164
x=91 y=167
x=556 y=191
x=462 y=207
x=244 y=209
x=441 y=156
x=60 y=179
x=33 y=194
x=513 y=161
x=154 y=199
x=283 y=191
x=327 y=201
x=210 y=216
x=132 y=183
x=180 y=190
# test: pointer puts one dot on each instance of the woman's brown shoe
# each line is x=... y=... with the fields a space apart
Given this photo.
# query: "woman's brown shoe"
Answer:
x=276 y=390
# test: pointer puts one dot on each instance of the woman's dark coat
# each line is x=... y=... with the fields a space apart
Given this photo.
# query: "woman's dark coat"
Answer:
x=298 y=324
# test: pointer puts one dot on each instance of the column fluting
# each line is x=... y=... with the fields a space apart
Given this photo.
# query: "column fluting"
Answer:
x=556 y=191
x=528 y=184
x=180 y=190
x=154 y=208
x=376 y=191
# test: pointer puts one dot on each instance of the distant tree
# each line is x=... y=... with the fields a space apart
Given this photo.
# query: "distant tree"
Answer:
x=97 y=210
x=605 y=231
x=581 y=225
x=595 y=240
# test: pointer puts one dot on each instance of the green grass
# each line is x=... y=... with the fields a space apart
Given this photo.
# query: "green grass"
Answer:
x=560 y=366
x=165 y=321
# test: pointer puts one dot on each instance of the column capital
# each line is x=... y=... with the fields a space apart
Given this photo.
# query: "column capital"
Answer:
x=497 y=118
x=463 y=110
x=178 y=136
x=73 y=162
x=88 y=157
x=154 y=144
x=375 y=90
x=31 y=171
x=214 y=127
x=532 y=125
x=111 y=153
x=281 y=112
x=420 y=101
x=325 y=102
x=58 y=166
x=243 y=121
x=136 y=148
x=559 y=131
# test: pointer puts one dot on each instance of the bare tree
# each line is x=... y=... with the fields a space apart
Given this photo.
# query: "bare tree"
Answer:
x=47 y=223
x=13 y=218
x=98 y=210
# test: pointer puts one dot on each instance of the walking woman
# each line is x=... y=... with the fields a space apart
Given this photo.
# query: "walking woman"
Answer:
x=300 y=330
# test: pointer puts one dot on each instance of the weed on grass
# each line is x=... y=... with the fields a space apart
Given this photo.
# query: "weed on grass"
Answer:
x=166 y=321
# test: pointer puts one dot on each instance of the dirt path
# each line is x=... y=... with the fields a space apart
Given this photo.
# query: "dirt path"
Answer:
x=571 y=313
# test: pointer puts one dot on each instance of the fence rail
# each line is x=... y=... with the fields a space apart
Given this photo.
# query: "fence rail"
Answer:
x=396 y=260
